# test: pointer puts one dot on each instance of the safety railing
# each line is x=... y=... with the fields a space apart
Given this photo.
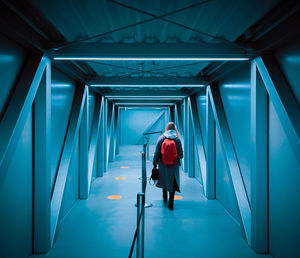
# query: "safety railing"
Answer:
x=140 y=228
x=146 y=149
x=141 y=204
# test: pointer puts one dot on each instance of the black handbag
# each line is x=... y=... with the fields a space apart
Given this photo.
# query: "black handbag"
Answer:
x=155 y=174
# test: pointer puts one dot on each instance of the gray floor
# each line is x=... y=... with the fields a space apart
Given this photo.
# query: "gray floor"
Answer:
x=99 y=227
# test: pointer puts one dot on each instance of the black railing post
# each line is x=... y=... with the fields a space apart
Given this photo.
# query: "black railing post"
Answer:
x=141 y=227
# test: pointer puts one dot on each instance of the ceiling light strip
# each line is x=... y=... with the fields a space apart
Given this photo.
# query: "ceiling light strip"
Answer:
x=147 y=85
x=153 y=58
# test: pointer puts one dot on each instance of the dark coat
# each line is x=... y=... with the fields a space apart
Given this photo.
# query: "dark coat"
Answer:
x=167 y=174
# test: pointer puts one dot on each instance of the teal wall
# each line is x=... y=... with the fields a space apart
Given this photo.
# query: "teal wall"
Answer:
x=235 y=95
x=134 y=122
x=16 y=193
x=63 y=92
x=284 y=171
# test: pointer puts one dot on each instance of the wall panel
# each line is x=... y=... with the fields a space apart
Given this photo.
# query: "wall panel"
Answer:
x=284 y=197
x=16 y=193
x=284 y=171
x=16 y=199
x=12 y=58
x=62 y=90
x=135 y=121
x=224 y=189
x=72 y=184
x=235 y=94
x=201 y=105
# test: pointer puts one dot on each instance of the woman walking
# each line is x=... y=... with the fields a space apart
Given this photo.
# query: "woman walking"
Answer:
x=167 y=156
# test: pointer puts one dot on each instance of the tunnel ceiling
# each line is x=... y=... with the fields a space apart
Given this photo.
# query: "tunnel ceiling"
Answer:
x=56 y=26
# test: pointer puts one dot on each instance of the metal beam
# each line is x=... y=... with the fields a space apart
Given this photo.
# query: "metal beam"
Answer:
x=132 y=25
x=185 y=125
x=282 y=97
x=84 y=150
x=105 y=126
x=210 y=150
x=144 y=101
x=94 y=140
x=118 y=132
x=42 y=165
x=199 y=143
x=18 y=109
x=180 y=119
x=70 y=141
x=111 y=51
x=190 y=138
x=145 y=98
x=100 y=145
x=147 y=82
x=163 y=93
x=71 y=70
x=142 y=105
x=112 y=134
x=259 y=163
x=231 y=160
x=108 y=126
x=115 y=133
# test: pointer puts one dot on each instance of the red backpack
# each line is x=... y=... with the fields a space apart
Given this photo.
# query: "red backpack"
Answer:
x=169 y=152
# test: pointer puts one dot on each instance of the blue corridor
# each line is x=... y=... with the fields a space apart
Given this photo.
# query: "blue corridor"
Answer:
x=100 y=227
x=86 y=85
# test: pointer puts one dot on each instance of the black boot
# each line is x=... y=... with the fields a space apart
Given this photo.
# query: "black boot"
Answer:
x=171 y=201
x=165 y=195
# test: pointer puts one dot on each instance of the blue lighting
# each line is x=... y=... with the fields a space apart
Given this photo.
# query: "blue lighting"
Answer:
x=154 y=58
x=61 y=85
x=150 y=85
x=140 y=96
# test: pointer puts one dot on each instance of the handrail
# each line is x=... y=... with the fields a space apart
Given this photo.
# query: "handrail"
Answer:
x=140 y=200
x=152 y=133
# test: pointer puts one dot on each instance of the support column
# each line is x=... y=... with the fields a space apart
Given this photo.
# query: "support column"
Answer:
x=259 y=163
x=84 y=151
x=186 y=135
x=198 y=139
x=105 y=123
x=118 y=132
x=42 y=164
x=210 y=151
x=111 y=134
x=180 y=122
x=101 y=141
x=190 y=139
x=115 y=132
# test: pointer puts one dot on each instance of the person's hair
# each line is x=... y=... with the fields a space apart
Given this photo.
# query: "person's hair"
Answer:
x=172 y=126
